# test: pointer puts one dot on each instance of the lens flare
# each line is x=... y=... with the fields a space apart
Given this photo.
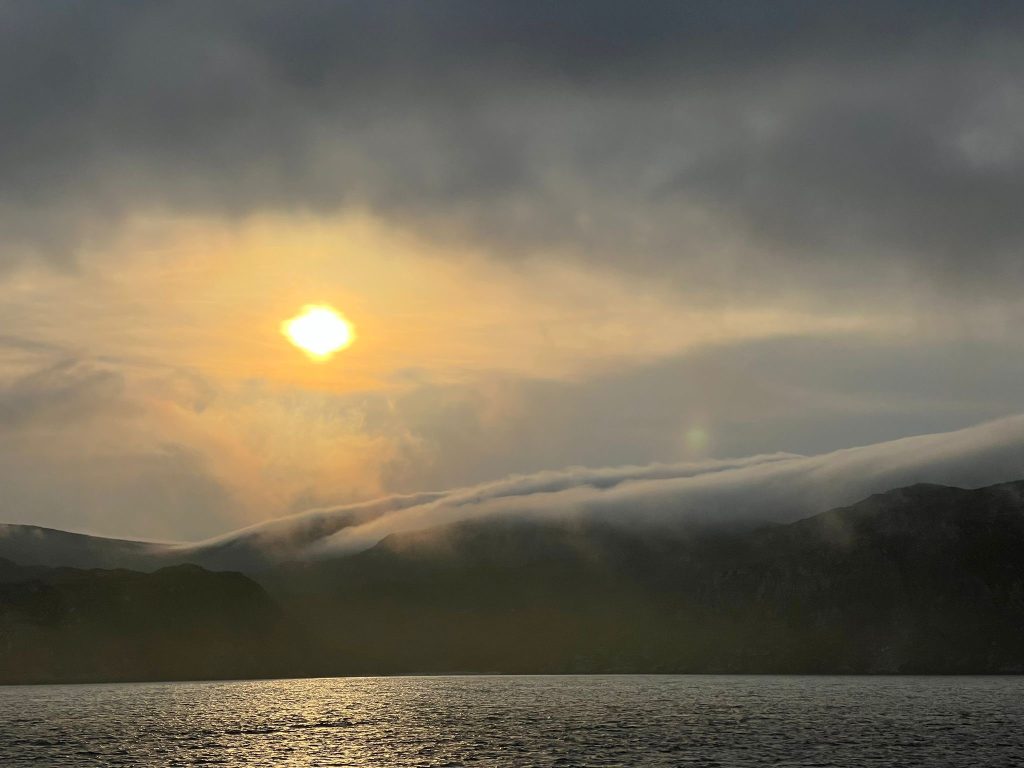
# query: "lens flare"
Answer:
x=319 y=331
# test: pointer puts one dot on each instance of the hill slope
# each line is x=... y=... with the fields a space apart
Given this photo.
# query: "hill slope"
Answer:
x=926 y=578
x=71 y=625
x=921 y=579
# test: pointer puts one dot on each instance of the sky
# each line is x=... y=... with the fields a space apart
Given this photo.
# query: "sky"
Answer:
x=573 y=234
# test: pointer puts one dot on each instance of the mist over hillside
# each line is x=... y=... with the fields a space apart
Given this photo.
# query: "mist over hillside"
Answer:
x=771 y=488
x=920 y=579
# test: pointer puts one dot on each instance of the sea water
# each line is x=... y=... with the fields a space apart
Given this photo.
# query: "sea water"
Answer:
x=520 y=721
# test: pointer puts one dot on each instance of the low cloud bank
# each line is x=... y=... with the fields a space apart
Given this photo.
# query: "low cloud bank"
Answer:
x=769 y=488
x=296 y=536
x=758 y=489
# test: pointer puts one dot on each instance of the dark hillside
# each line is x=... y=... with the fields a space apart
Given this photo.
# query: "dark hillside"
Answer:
x=64 y=624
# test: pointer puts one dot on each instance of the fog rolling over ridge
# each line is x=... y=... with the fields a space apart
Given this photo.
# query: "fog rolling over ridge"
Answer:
x=772 y=488
x=775 y=488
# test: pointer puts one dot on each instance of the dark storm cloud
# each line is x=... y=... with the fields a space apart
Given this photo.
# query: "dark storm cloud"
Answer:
x=741 y=144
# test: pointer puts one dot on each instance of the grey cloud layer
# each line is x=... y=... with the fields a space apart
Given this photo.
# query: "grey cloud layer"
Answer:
x=739 y=144
x=798 y=395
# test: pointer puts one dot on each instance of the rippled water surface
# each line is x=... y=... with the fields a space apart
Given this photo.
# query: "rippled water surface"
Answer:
x=520 y=721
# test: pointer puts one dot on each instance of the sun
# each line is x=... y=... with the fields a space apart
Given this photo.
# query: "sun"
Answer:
x=319 y=331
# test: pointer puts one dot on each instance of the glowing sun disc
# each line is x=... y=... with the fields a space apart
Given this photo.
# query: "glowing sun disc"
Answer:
x=319 y=331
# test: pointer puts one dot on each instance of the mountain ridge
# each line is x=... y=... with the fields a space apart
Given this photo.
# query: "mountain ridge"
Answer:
x=276 y=542
x=920 y=579
x=869 y=595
